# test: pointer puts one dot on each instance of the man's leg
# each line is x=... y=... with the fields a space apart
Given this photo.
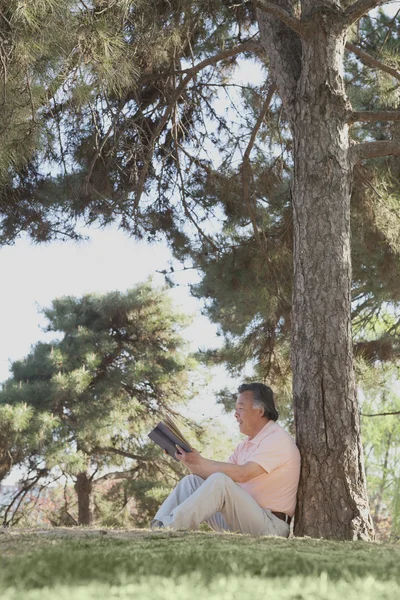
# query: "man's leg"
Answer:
x=185 y=488
x=220 y=494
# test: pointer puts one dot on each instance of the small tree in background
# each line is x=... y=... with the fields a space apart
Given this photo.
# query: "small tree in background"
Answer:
x=380 y=420
x=120 y=363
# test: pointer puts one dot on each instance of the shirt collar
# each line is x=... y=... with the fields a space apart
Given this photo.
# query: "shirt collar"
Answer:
x=261 y=434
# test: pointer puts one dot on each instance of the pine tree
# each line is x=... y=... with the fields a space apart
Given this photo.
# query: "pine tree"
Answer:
x=132 y=132
x=118 y=366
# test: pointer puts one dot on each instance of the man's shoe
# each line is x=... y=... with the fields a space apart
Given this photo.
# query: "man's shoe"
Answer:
x=156 y=524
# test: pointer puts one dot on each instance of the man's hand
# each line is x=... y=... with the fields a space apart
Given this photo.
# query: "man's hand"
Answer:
x=204 y=467
x=192 y=460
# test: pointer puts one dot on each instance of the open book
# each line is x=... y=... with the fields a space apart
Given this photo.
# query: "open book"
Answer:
x=166 y=434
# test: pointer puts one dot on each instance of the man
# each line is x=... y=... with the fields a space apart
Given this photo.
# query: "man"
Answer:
x=254 y=491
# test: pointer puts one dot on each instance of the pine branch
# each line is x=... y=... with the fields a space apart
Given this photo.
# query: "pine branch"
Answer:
x=111 y=450
x=382 y=349
x=157 y=461
x=103 y=143
x=190 y=73
x=374 y=149
x=246 y=165
x=390 y=29
x=385 y=414
x=283 y=15
x=371 y=61
x=374 y=115
x=186 y=208
x=361 y=8
x=260 y=119
x=250 y=45
x=115 y=475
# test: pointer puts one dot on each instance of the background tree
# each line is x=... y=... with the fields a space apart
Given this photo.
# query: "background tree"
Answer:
x=120 y=364
x=380 y=415
x=23 y=433
x=137 y=148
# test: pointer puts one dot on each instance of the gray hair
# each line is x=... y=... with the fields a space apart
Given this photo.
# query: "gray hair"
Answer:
x=263 y=397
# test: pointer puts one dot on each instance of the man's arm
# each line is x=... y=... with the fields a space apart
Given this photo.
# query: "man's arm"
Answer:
x=204 y=467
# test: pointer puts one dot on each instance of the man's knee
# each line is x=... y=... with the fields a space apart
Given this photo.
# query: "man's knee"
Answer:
x=192 y=481
x=220 y=479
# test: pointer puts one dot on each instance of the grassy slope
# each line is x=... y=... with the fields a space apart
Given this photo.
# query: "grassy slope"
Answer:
x=180 y=566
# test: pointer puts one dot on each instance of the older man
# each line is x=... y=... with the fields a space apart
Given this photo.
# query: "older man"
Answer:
x=254 y=491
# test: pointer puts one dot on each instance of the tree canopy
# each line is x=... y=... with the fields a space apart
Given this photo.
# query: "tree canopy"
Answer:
x=83 y=404
x=121 y=104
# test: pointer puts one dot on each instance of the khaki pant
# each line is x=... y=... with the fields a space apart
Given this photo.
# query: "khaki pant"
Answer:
x=221 y=503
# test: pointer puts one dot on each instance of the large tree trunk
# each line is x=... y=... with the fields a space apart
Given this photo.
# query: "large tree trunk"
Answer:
x=332 y=494
x=83 y=488
x=332 y=499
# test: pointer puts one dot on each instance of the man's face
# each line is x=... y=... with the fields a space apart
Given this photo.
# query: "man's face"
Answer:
x=246 y=415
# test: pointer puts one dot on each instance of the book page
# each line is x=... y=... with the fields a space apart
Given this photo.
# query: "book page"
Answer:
x=171 y=425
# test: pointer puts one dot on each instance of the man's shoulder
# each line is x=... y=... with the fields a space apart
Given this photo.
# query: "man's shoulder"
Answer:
x=276 y=434
x=276 y=430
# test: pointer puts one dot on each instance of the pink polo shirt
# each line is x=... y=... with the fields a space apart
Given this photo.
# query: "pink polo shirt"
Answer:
x=276 y=452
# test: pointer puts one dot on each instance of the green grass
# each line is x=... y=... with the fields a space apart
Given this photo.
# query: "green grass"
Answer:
x=85 y=565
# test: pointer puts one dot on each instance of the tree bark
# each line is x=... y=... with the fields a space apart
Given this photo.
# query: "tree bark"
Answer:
x=83 y=488
x=332 y=498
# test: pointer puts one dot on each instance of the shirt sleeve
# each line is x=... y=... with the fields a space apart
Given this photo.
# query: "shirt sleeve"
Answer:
x=270 y=456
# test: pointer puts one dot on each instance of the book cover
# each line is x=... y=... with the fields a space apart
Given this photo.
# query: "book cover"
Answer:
x=167 y=435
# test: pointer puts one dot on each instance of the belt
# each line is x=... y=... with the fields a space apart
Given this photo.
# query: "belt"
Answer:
x=282 y=516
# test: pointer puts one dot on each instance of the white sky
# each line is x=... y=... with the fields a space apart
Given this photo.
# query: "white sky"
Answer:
x=34 y=275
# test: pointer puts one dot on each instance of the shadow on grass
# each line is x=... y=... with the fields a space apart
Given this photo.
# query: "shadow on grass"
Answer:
x=30 y=562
